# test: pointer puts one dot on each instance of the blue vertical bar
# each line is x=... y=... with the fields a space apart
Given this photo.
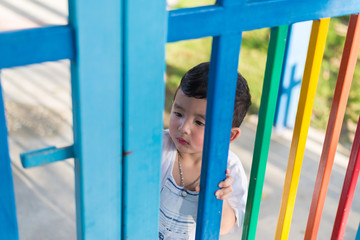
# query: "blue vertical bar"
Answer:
x=293 y=69
x=219 y=113
x=144 y=90
x=358 y=233
x=8 y=223
x=97 y=112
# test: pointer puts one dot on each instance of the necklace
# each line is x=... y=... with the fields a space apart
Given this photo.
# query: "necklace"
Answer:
x=184 y=193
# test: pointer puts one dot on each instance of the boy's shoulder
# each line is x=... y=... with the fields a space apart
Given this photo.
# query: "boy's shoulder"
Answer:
x=235 y=165
x=167 y=156
x=166 y=133
x=167 y=142
x=168 y=147
x=233 y=158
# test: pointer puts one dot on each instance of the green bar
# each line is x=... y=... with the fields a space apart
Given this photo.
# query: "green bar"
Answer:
x=263 y=133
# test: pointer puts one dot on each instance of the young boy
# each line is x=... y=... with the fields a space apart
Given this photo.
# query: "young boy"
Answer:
x=182 y=156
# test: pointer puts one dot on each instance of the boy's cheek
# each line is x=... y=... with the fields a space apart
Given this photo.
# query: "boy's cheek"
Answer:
x=172 y=124
x=200 y=141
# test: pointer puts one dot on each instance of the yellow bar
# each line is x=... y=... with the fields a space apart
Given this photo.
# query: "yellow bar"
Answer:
x=307 y=95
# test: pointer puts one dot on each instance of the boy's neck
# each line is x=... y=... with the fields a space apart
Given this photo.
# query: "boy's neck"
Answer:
x=193 y=159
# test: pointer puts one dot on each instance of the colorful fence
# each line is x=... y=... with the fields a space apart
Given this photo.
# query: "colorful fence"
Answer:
x=107 y=52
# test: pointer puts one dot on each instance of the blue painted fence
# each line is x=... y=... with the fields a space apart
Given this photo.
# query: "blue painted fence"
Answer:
x=118 y=64
x=8 y=224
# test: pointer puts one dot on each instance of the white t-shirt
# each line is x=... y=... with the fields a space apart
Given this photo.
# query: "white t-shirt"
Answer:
x=177 y=213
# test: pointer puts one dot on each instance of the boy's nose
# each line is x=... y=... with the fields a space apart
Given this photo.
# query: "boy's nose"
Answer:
x=185 y=127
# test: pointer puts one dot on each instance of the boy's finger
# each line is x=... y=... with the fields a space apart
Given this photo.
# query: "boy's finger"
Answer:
x=222 y=196
x=223 y=193
x=227 y=182
x=197 y=189
x=227 y=190
x=225 y=196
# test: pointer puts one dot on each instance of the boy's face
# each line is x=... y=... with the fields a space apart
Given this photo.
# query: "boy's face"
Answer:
x=187 y=123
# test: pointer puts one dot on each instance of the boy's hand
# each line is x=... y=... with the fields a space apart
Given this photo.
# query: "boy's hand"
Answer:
x=226 y=187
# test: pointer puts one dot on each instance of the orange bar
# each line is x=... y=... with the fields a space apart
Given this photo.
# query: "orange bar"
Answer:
x=341 y=95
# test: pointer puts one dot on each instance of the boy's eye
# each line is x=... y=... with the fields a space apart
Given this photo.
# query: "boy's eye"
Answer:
x=200 y=123
x=178 y=114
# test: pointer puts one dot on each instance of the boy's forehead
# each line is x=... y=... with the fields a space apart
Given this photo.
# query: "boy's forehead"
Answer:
x=181 y=96
x=190 y=103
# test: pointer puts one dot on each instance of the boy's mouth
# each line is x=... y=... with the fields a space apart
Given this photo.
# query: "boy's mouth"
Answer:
x=182 y=141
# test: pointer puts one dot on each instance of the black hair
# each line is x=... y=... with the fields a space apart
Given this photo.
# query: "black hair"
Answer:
x=195 y=82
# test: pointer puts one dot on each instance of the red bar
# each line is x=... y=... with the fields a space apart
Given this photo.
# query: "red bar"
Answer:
x=347 y=194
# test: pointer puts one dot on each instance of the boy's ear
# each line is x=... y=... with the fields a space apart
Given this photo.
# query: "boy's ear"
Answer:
x=235 y=133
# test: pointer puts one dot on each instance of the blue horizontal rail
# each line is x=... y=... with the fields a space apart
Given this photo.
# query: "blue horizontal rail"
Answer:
x=52 y=43
x=215 y=20
x=23 y=47
x=45 y=156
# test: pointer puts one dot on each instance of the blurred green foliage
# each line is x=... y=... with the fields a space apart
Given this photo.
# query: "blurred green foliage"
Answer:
x=183 y=55
x=327 y=82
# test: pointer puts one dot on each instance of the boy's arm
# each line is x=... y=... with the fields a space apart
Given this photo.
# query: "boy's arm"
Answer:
x=228 y=217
